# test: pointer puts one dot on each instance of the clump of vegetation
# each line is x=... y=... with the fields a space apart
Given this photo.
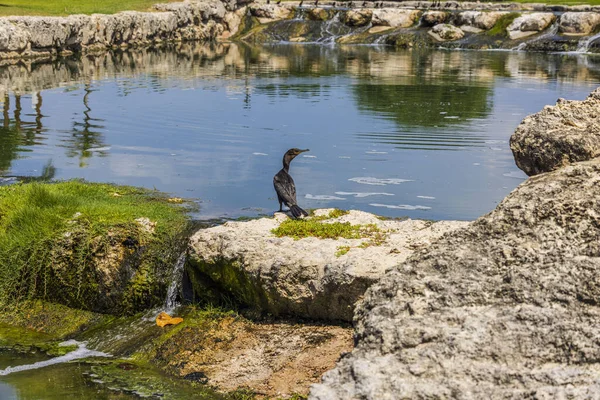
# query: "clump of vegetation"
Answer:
x=341 y=250
x=503 y=22
x=79 y=244
x=315 y=227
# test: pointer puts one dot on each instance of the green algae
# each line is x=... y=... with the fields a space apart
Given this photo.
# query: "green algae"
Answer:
x=79 y=244
x=499 y=29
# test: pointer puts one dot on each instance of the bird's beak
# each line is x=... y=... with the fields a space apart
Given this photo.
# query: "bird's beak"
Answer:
x=303 y=151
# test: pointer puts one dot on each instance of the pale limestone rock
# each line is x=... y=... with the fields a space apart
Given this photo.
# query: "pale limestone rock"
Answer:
x=396 y=18
x=310 y=277
x=477 y=21
x=358 y=17
x=446 y=32
x=529 y=24
x=558 y=135
x=506 y=308
x=267 y=13
x=578 y=23
x=431 y=18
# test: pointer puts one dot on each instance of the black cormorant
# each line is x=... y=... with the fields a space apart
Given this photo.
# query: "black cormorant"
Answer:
x=285 y=187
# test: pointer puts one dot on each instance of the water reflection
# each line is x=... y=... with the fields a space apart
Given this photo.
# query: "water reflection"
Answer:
x=86 y=137
x=213 y=121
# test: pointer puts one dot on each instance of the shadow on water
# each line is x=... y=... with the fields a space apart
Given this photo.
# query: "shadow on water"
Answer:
x=211 y=122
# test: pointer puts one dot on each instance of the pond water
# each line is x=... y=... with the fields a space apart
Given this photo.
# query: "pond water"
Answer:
x=422 y=134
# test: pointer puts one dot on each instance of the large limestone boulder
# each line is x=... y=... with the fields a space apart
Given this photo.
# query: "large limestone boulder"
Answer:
x=396 y=18
x=358 y=18
x=267 y=13
x=578 y=23
x=446 y=32
x=12 y=37
x=431 y=18
x=477 y=21
x=529 y=24
x=310 y=277
x=506 y=308
x=558 y=135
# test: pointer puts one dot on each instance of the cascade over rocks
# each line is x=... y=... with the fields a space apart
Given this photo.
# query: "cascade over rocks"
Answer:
x=558 y=135
x=504 y=308
x=310 y=277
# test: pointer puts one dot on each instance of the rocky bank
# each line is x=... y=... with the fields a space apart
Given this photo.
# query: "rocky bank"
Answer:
x=504 y=308
x=206 y=20
x=407 y=24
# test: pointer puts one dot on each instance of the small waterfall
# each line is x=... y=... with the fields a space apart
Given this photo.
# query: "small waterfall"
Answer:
x=328 y=31
x=584 y=44
x=175 y=285
x=552 y=31
x=81 y=352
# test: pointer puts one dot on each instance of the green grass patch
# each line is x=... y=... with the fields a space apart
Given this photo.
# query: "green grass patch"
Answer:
x=68 y=7
x=503 y=22
x=341 y=250
x=303 y=228
x=79 y=244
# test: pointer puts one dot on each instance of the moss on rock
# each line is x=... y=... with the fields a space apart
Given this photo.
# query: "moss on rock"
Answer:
x=96 y=247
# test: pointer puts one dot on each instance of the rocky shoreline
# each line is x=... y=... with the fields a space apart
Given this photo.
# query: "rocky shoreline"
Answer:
x=450 y=24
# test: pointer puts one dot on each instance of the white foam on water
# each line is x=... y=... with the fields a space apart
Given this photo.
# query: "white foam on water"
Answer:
x=93 y=149
x=344 y=157
x=426 y=197
x=81 y=352
x=309 y=156
x=515 y=174
x=322 y=197
x=368 y=180
x=260 y=154
x=401 y=206
x=363 y=194
x=375 y=152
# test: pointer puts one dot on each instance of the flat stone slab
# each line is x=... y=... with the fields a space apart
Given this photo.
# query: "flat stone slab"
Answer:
x=310 y=277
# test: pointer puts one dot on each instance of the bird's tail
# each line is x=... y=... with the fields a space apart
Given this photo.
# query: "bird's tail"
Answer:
x=297 y=212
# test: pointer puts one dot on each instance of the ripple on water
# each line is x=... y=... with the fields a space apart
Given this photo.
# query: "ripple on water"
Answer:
x=401 y=206
x=322 y=197
x=368 y=180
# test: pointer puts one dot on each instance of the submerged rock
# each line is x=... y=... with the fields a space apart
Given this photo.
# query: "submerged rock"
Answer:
x=529 y=24
x=578 y=23
x=505 y=308
x=395 y=18
x=558 y=135
x=309 y=277
x=445 y=32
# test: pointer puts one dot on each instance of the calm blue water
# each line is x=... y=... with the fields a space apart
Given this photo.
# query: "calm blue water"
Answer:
x=416 y=133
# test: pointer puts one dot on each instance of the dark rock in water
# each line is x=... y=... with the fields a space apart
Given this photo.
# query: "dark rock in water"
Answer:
x=199 y=377
x=558 y=135
x=505 y=308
